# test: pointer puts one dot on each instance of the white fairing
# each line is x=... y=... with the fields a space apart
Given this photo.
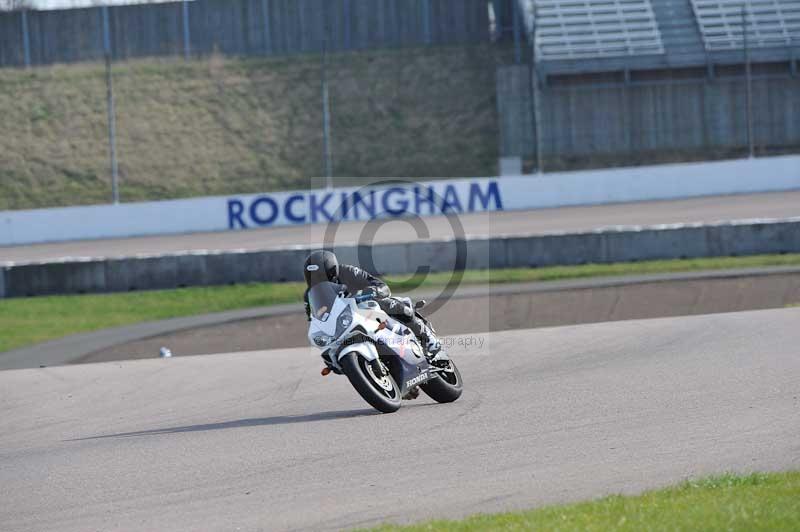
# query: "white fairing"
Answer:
x=328 y=326
x=368 y=316
x=365 y=349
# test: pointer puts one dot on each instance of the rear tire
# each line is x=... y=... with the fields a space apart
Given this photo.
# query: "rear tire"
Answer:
x=447 y=387
x=382 y=393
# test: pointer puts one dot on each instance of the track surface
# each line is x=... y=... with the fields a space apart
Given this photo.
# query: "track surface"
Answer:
x=571 y=219
x=261 y=442
x=474 y=308
x=479 y=310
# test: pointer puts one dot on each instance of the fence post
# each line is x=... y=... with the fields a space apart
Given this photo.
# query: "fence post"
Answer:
x=426 y=21
x=749 y=85
x=265 y=23
x=535 y=98
x=112 y=115
x=347 y=15
x=515 y=22
x=627 y=117
x=301 y=21
x=187 y=38
x=326 y=118
x=26 y=39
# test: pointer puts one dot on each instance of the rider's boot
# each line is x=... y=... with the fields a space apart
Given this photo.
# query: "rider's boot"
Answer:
x=434 y=345
x=425 y=335
x=428 y=338
x=412 y=394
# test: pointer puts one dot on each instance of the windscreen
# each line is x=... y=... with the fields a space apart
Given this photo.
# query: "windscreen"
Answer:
x=321 y=298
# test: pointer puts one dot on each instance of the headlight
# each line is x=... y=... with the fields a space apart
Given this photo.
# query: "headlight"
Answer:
x=344 y=321
x=322 y=340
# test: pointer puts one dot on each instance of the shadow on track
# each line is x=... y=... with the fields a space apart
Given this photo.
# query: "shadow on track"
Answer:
x=252 y=422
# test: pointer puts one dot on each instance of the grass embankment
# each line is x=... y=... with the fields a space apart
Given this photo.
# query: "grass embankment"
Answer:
x=29 y=321
x=728 y=502
x=226 y=125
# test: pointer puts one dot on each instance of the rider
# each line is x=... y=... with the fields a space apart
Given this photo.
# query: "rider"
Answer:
x=323 y=266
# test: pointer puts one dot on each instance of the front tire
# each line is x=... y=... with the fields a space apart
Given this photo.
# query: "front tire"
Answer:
x=380 y=392
x=447 y=387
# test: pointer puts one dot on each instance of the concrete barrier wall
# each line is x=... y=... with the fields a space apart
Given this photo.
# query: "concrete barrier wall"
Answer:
x=643 y=119
x=400 y=199
x=196 y=269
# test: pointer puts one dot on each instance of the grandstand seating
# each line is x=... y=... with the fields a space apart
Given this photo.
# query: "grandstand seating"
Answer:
x=771 y=23
x=581 y=29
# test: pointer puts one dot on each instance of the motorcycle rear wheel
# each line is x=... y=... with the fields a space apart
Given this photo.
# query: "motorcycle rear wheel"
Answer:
x=447 y=387
x=381 y=392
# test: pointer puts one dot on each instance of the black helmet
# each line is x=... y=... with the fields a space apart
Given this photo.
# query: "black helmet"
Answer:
x=321 y=266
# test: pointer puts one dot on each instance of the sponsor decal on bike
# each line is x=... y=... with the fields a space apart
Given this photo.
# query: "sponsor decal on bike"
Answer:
x=419 y=379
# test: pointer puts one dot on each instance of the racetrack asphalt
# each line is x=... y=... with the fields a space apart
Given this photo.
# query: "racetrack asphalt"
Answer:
x=260 y=441
x=474 y=308
x=542 y=221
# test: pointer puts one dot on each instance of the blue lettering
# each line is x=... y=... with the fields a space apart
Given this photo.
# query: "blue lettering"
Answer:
x=235 y=210
x=419 y=200
x=402 y=205
x=343 y=209
x=451 y=201
x=492 y=191
x=319 y=208
x=254 y=214
x=358 y=199
x=359 y=205
x=287 y=209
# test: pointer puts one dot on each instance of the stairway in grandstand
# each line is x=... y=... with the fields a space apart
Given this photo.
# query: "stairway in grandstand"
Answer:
x=771 y=23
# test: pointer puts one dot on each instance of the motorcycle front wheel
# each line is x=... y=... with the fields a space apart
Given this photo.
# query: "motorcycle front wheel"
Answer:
x=379 y=391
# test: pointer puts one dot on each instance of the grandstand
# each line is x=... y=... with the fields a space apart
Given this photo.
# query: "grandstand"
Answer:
x=772 y=23
x=571 y=36
x=573 y=30
x=625 y=82
x=585 y=36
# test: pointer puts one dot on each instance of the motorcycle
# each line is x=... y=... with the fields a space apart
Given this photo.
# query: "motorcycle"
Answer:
x=383 y=360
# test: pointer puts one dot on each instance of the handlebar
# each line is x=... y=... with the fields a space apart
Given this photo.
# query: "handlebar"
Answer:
x=364 y=297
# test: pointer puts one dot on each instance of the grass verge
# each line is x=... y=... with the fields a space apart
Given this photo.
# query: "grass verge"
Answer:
x=728 y=502
x=28 y=321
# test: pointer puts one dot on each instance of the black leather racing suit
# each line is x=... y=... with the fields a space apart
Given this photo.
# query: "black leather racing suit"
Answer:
x=357 y=279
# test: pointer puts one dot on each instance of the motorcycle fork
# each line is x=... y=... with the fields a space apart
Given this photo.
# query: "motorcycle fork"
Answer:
x=377 y=367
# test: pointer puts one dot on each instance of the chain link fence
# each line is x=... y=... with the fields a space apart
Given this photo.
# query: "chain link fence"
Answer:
x=218 y=125
x=189 y=28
